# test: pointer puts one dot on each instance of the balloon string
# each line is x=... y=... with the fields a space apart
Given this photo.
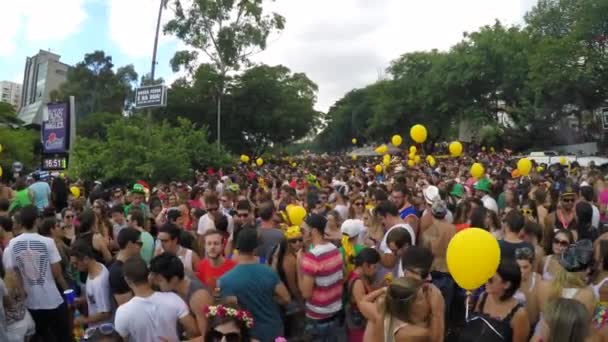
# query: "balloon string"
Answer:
x=466 y=313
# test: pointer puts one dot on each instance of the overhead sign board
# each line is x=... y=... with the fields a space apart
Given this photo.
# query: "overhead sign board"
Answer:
x=151 y=96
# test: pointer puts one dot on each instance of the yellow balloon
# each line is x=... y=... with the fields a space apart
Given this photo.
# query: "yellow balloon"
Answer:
x=396 y=140
x=382 y=149
x=483 y=148
x=386 y=160
x=455 y=149
x=295 y=214
x=75 y=191
x=411 y=163
x=540 y=169
x=259 y=162
x=354 y=141
x=492 y=149
x=417 y=159
x=413 y=149
x=418 y=133
x=477 y=170
x=473 y=257
x=0 y=171
x=0 y=147
x=244 y=158
x=524 y=165
x=563 y=161
x=378 y=168
x=294 y=164
x=431 y=161
x=411 y=156
x=354 y=157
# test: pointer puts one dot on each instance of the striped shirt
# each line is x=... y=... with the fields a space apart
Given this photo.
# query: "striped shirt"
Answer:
x=324 y=264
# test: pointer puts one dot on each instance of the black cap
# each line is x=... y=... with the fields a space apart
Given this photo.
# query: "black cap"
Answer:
x=316 y=221
x=247 y=240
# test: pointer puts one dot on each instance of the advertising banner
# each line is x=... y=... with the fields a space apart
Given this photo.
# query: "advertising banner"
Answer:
x=55 y=132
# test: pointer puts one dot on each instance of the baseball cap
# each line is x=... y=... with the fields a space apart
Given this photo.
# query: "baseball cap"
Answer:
x=247 y=240
x=352 y=228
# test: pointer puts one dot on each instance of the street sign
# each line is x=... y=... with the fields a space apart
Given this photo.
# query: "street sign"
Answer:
x=151 y=96
x=56 y=162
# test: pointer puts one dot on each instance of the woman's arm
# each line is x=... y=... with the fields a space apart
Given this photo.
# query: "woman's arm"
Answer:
x=521 y=326
x=369 y=307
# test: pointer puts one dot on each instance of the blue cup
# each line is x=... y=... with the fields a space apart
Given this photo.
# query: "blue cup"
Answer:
x=70 y=296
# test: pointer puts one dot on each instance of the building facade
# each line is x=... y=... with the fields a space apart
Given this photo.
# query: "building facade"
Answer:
x=10 y=92
x=43 y=74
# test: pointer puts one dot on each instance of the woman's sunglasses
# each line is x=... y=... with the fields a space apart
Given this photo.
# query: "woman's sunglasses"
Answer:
x=295 y=240
x=216 y=336
x=561 y=243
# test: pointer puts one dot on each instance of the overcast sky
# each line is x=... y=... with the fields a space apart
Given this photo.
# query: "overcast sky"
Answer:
x=339 y=44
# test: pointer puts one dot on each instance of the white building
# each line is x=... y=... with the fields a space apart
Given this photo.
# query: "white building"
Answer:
x=10 y=92
x=43 y=74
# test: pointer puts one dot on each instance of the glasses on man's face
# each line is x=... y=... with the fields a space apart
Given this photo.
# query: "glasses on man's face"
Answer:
x=568 y=200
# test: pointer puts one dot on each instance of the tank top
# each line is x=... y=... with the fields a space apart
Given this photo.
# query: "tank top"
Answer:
x=546 y=275
x=391 y=327
x=186 y=259
x=520 y=296
x=499 y=329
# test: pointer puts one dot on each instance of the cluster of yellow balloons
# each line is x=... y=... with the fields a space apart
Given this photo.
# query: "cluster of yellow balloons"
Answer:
x=386 y=160
x=431 y=161
x=473 y=257
x=455 y=149
x=477 y=170
x=524 y=166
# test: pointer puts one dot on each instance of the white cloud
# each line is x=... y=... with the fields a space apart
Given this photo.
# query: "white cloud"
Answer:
x=135 y=38
x=345 y=44
x=39 y=21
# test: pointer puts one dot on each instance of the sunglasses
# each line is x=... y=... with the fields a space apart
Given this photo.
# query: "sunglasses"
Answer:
x=105 y=329
x=568 y=200
x=216 y=336
x=561 y=243
x=359 y=204
x=526 y=211
x=296 y=240
x=69 y=216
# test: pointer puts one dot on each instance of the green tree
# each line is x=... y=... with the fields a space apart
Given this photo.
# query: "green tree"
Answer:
x=228 y=32
x=18 y=145
x=95 y=125
x=272 y=107
x=128 y=153
x=8 y=115
x=97 y=87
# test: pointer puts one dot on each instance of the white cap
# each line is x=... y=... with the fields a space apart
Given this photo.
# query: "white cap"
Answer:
x=431 y=193
x=352 y=228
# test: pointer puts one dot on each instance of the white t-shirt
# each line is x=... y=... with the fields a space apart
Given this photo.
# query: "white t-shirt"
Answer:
x=489 y=203
x=384 y=246
x=147 y=319
x=595 y=218
x=99 y=298
x=342 y=210
x=206 y=223
x=32 y=254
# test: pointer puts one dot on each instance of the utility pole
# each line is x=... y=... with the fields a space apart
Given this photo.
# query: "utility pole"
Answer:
x=153 y=69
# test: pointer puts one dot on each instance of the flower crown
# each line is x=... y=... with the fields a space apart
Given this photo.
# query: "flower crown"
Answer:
x=223 y=311
x=293 y=232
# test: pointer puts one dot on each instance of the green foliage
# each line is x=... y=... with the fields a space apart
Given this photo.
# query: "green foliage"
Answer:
x=95 y=125
x=18 y=145
x=129 y=153
x=263 y=107
x=96 y=86
x=8 y=115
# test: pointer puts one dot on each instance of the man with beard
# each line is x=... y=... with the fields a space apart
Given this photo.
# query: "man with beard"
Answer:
x=400 y=196
x=416 y=263
x=207 y=221
x=214 y=265
x=562 y=218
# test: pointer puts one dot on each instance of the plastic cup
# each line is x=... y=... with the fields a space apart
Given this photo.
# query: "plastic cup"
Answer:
x=70 y=296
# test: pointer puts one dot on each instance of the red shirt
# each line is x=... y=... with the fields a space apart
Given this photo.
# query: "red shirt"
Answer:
x=209 y=274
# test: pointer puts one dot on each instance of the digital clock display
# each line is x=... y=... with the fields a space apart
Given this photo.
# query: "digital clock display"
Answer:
x=57 y=163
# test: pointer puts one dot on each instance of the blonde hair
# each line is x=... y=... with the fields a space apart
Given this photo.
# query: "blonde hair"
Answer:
x=400 y=297
x=568 y=320
x=564 y=280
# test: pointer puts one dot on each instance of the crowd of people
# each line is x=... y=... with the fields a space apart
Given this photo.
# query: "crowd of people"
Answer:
x=328 y=249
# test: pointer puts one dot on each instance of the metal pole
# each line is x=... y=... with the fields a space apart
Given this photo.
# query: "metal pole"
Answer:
x=219 y=113
x=160 y=13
